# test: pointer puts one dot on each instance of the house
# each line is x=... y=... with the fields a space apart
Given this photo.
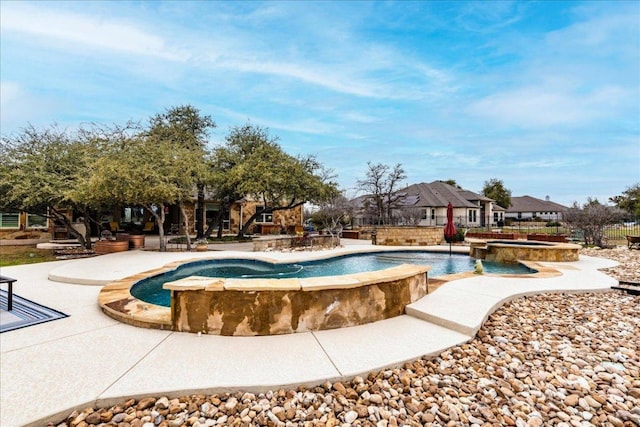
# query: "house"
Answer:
x=235 y=215
x=128 y=218
x=12 y=222
x=526 y=208
x=426 y=204
x=240 y=211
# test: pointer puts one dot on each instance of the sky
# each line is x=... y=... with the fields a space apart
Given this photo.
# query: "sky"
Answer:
x=543 y=95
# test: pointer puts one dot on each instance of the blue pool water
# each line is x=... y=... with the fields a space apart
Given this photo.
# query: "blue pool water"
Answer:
x=150 y=289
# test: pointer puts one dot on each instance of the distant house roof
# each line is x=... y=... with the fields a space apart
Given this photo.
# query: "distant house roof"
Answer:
x=439 y=194
x=531 y=204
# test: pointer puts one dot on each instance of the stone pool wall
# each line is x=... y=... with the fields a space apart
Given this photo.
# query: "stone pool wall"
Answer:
x=513 y=252
x=248 y=307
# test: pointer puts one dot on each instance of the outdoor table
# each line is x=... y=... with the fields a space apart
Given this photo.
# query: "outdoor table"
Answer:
x=10 y=281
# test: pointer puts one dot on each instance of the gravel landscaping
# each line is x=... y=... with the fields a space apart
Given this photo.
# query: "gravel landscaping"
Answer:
x=558 y=359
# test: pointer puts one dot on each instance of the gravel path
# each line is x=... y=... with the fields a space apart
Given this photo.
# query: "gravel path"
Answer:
x=559 y=360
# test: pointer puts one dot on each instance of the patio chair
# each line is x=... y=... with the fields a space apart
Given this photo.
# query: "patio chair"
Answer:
x=115 y=226
x=633 y=242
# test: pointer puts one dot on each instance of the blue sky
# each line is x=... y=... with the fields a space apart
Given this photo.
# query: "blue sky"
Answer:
x=542 y=95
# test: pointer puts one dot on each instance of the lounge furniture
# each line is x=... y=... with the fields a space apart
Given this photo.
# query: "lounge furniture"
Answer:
x=115 y=226
x=10 y=281
x=148 y=227
x=633 y=242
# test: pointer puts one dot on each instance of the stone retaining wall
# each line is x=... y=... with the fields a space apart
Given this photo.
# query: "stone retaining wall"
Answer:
x=296 y=243
x=409 y=236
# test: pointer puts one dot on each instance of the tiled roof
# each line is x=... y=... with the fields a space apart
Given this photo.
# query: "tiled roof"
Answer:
x=439 y=194
x=531 y=204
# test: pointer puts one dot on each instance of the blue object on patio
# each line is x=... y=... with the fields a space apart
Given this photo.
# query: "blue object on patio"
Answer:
x=24 y=313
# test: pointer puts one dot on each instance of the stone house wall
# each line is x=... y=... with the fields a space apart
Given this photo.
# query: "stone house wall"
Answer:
x=408 y=236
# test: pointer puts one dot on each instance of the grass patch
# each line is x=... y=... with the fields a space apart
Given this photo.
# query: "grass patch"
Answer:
x=18 y=255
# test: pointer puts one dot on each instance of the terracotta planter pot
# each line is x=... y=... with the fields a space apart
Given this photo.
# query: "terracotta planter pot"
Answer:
x=110 y=246
x=136 y=241
x=202 y=248
x=123 y=237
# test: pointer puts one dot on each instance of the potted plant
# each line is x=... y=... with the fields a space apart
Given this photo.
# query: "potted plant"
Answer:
x=202 y=245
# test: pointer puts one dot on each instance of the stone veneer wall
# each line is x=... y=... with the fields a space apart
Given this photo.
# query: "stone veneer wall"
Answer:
x=496 y=252
x=293 y=242
x=409 y=236
x=267 y=310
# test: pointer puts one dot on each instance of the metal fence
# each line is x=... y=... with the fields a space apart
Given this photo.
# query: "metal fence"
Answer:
x=614 y=234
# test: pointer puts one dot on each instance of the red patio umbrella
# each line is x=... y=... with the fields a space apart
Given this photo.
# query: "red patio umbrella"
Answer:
x=449 y=229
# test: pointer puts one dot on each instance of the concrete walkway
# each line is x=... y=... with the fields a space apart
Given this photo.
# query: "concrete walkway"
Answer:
x=86 y=359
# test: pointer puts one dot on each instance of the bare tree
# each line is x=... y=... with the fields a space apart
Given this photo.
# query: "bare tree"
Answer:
x=409 y=215
x=381 y=184
x=591 y=219
x=332 y=214
x=393 y=198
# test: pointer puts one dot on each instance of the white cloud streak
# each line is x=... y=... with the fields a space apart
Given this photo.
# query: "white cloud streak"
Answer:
x=85 y=30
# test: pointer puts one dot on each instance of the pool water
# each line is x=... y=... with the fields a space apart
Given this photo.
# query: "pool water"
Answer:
x=150 y=289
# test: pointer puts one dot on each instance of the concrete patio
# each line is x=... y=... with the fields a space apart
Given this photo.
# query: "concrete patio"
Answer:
x=89 y=358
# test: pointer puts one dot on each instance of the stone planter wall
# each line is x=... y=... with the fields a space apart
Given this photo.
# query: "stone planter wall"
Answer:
x=296 y=243
x=409 y=236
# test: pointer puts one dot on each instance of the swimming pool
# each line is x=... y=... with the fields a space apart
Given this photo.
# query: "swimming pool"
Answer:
x=150 y=289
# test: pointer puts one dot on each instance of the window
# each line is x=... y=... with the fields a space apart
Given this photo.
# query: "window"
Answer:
x=9 y=220
x=212 y=211
x=424 y=214
x=433 y=214
x=36 y=221
x=262 y=215
x=472 y=216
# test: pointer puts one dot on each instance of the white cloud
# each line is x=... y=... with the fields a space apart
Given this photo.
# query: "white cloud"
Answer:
x=549 y=106
x=18 y=106
x=83 y=29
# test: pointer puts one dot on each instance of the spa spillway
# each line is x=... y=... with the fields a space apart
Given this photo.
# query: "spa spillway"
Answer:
x=512 y=251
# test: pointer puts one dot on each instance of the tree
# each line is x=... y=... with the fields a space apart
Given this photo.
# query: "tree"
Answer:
x=591 y=219
x=410 y=215
x=333 y=213
x=41 y=170
x=453 y=183
x=381 y=184
x=152 y=167
x=495 y=189
x=138 y=170
x=185 y=127
x=255 y=165
x=629 y=200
